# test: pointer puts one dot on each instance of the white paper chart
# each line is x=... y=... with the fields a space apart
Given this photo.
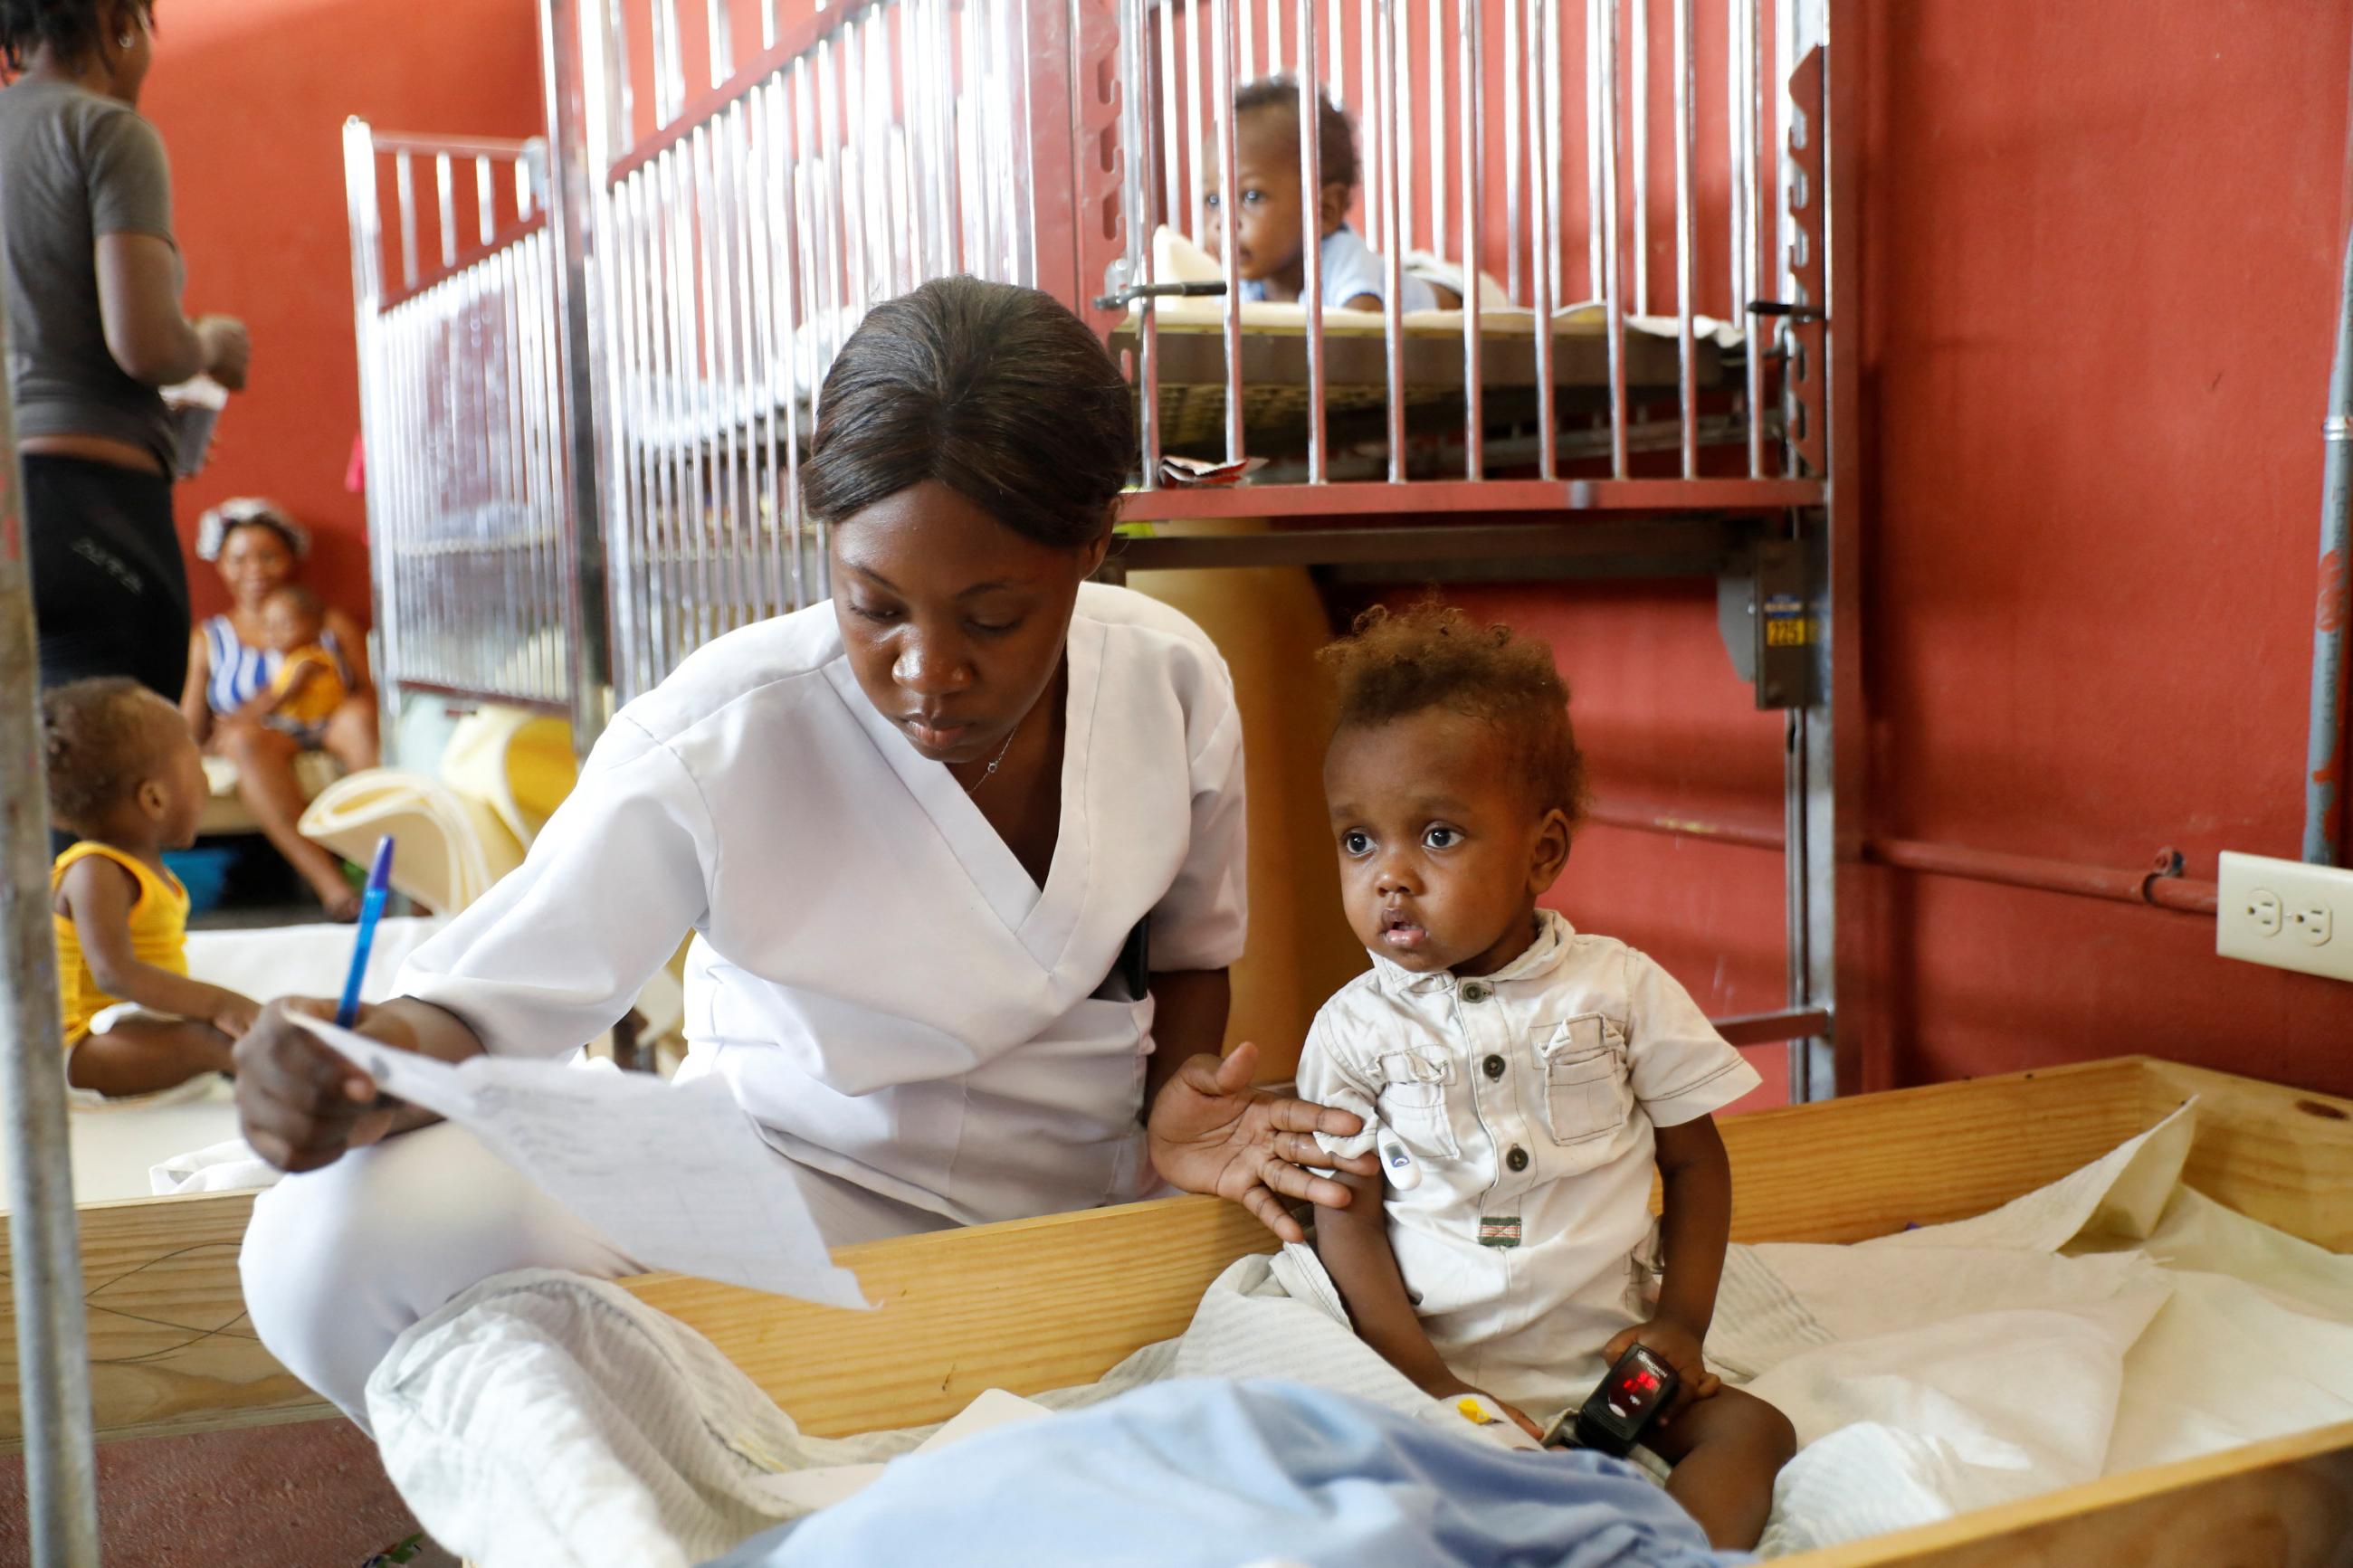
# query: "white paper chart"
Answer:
x=676 y=1176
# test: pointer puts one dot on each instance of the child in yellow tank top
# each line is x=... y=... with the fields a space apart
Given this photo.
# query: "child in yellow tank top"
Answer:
x=126 y=779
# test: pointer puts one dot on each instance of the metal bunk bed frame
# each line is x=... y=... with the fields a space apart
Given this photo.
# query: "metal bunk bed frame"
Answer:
x=711 y=236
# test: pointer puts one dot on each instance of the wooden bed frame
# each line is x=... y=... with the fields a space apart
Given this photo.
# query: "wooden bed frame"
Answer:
x=1050 y=1302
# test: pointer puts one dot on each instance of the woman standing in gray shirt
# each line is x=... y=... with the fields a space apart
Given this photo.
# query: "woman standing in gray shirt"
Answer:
x=95 y=328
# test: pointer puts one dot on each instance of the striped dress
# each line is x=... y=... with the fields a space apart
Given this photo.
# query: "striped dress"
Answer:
x=237 y=674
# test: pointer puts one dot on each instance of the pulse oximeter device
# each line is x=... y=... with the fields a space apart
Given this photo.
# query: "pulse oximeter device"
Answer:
x=1396 y=1164
x=1621 y=1408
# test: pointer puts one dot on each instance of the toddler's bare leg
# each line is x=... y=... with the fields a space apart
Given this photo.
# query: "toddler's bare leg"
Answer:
x=141 y=1056
x=1725 y=1451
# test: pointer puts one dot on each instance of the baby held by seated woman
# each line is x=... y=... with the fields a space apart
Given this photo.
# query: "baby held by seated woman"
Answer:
x=1535 y=1074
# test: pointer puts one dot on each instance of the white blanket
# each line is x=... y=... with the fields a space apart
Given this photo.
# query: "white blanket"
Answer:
x=547 y=1420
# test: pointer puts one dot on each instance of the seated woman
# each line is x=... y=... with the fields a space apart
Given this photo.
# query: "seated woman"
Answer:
x=257 y=549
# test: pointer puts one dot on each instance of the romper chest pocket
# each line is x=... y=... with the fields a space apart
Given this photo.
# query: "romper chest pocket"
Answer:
x=1412 y=1102
x=1585 y=1093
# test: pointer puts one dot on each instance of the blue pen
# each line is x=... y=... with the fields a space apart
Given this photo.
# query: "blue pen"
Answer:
x=347 y=1012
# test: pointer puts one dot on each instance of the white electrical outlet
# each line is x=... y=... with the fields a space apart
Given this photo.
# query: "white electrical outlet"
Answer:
x=2285 y=914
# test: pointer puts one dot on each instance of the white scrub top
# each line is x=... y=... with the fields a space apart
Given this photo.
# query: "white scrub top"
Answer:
x=886 y=989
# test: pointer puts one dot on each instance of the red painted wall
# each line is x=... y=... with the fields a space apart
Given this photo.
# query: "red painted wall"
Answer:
x=251 y=98
x=2100 y=252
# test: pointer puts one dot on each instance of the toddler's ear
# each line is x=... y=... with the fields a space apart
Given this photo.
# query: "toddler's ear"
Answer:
x=1332 y=211
x=153 y=799
x=1548 y=853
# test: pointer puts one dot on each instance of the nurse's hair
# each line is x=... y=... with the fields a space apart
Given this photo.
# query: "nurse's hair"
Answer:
x=101 y=739
x=996 y=392
x=1397 y=663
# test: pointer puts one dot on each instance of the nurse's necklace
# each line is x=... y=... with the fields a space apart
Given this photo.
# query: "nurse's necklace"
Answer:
x=995 y=763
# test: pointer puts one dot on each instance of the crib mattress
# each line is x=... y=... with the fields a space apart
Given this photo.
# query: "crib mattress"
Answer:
x=1191 y=362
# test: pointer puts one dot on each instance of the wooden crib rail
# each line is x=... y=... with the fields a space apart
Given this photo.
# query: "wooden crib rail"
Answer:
x=1047 y=1303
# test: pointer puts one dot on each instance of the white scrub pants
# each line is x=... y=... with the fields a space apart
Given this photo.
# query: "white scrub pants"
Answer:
x=338 y=1263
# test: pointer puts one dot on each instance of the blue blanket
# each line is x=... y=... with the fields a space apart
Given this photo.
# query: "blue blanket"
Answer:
x=1216 y=1474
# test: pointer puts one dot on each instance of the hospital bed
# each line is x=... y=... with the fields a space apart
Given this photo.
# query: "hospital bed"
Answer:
x=1046 y=1303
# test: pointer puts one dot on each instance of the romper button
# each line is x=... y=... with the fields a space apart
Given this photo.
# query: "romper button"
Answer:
x=1476 y=991
x=1492 y=1067
x=1517 y=1159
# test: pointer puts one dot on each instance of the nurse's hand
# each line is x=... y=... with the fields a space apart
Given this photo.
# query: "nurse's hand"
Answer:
x=1212 y=1132
x=299 y=1103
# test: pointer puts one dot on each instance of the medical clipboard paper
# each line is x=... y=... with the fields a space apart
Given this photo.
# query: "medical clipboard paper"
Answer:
x=677 y=1177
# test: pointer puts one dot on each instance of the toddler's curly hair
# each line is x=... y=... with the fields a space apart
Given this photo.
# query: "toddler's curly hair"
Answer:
x=100 y=739
x=1396 y=663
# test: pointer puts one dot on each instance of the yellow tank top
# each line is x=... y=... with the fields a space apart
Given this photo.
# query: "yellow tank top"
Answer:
x=159 y=933
x=316 y=702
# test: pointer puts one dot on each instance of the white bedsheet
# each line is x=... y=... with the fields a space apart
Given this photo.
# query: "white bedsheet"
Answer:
x=543 y=1419
x=119 y=1146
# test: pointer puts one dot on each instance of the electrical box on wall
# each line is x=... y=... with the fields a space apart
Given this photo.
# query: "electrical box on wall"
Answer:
x=2285 y=914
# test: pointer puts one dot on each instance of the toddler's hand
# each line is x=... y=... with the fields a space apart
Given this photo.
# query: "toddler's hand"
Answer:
x=1454 y=1388
x=235 y=1015
x=1679 y=1348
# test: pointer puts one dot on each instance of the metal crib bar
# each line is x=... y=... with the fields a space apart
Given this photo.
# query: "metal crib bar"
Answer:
x=1438 y=159
x=1613 y=253
x=524 y=181
x=1758 y=220
x=1400 y=120
x=1593 y=112
x=1195 y=212
x=403 y=185
x=666 y=282
x=719 y=37
x=1514 y=239
x=669 y=63
x=634 y=244
x=1311 y=185
x=1393 y=224
x=1227 y=180
x=794 y=327
x=445 y=187
x=708 y=443
x=1371 y=134
x=722 y=317
x=1470 y=92
x=1686 y=257
x=1173 y=154
x=1542 y=152
x=1136 y=180
x=1639 y=125
x=765 y=256
x=485 y=197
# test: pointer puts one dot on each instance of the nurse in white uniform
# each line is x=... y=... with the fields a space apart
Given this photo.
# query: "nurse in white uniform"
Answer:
x=929 y=836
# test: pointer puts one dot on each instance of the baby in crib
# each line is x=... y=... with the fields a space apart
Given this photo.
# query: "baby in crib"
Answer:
x=1532 y=1074
x=1270 y=236
x=126 y=779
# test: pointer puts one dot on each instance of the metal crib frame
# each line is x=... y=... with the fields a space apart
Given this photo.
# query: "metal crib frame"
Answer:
x=722 y=208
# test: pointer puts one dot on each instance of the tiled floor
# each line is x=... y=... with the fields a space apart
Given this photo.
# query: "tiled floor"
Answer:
x=310 y=1495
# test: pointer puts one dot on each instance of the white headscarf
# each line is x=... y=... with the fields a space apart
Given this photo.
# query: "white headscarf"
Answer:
x=215 y=527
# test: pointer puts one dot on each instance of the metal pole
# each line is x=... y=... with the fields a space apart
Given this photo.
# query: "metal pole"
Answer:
x=1686 y=360
x=2325 y=752
x=1470 y=92
x=1228 y=177
x=52 y=1341
x=1311 y=199
x=1393 y=224
x=578 y=94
